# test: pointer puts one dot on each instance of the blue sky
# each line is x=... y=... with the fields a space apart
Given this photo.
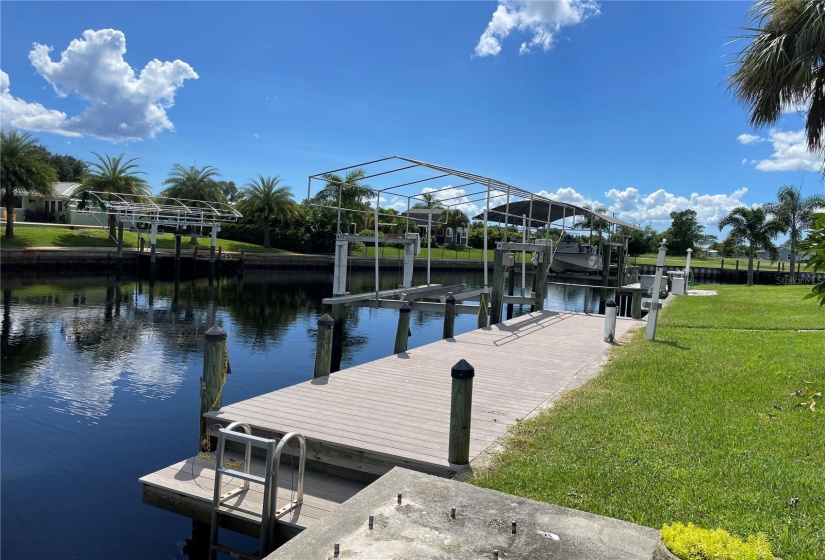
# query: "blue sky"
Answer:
x=616 y=103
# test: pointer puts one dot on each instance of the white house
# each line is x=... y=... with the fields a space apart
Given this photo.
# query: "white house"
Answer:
x=56 y=207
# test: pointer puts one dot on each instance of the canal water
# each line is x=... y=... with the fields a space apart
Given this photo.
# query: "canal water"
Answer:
x=100 y=386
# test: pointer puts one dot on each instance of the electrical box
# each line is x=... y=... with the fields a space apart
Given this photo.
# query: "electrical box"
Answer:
x=510 y=259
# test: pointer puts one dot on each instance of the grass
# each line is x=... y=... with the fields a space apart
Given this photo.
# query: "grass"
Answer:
x=704 y=425
x=708 y=262
x=468 y=254
x=45 y=236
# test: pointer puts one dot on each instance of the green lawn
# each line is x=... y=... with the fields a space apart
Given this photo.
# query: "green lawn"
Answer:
x=704 y=425
x=707 y=262
x=45 y=236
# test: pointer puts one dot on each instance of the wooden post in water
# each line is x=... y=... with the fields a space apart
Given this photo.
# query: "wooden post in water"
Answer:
x=214 y=362
x=119 y=249
x=461 y=405
x=483 y=312
x=449 y=318
x=153 y=250
x=498 y=286
x=177 y=257
x=540 y=282
x=636 y=305
x=511 y=280
x=212 y=243
x=403 y=332
x=586 y=299
x=323 y=348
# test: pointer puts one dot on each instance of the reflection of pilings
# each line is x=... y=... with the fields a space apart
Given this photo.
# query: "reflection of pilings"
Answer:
x=118 y=297
x=151 y=302
x=338 y=313
x=6 y=328
x=210 y=306
x=175 y=294
x=197 y=548
x=110 y=301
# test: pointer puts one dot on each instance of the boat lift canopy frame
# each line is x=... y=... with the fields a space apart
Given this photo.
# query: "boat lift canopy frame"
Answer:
x=514 y=205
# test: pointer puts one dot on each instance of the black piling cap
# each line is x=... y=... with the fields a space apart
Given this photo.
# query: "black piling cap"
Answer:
x=610 y=303
x=214 y=334
x=450 y=300
x=325 y=321
x=463 y=370
x=405 y=308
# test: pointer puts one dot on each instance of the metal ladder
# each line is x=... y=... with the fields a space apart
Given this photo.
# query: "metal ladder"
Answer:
x=270 y=512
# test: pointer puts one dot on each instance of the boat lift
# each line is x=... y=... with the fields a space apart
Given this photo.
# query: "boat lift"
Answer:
x=186 y=216
x=462 y=189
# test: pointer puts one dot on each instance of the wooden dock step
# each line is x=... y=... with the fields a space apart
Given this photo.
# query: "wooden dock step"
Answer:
x=186 y=488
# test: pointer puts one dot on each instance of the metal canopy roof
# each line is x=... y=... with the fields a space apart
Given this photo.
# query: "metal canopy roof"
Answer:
x=541 y=212
x=161 y=210
x=473 y=188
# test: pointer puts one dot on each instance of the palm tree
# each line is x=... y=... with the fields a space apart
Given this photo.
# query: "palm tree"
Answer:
x=454 y=219
x=262 y=199
x=592 y=222
x=193 y=183
x=113 y=175
x=794 y=213
x=428 y=200
x=784 y=65
x=345 y=193
x=22 y=171
x=751 y=225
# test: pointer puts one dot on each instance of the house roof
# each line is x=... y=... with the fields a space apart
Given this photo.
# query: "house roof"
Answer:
x=420 y=215
x=65 y=189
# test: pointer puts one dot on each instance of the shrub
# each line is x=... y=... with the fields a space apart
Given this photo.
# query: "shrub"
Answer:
x=689 y=542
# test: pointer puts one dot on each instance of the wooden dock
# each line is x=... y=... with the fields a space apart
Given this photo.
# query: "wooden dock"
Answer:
x=395 y=411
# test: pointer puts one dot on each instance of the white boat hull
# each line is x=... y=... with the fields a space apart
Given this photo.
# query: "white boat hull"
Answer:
x=576 y=262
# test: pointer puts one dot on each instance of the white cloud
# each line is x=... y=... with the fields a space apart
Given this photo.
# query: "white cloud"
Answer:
x=540 y=19
x=16 y=113
x=749 y=139
x=630 y=205
x=121 y=104
x=790 y=153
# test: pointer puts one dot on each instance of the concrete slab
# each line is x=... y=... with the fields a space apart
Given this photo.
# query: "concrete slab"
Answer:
x=422 y=527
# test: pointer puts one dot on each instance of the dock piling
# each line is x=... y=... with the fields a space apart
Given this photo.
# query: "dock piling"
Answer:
x=323 y=349
x=119 y=249
x=653 y=314
x=449 y=318
x=610 y=310
x=403 y=332
x=498 y=287
x=483 y=312
x=214 y=363
x=461 y=404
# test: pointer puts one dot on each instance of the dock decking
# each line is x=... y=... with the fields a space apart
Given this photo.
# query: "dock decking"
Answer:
x=395 y=411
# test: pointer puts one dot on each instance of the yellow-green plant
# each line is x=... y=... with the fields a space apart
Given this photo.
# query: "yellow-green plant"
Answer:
x=689 y=542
